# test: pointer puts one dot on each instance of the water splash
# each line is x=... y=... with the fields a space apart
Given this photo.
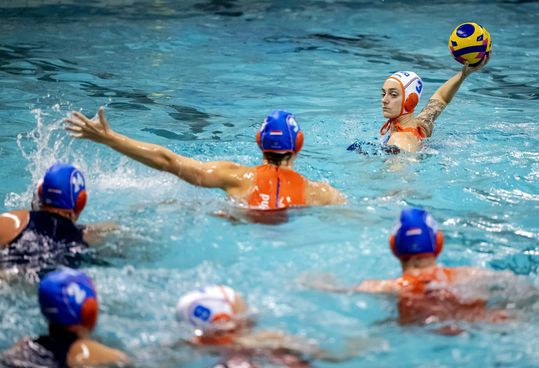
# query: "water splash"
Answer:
x=44 y=145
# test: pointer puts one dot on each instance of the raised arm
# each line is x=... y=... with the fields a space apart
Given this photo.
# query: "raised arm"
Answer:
x=443 y=96
x=219 y=174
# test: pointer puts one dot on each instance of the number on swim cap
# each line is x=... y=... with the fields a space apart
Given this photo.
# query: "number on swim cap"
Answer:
x=75 y=291
x=77 y=181
x=202 y=313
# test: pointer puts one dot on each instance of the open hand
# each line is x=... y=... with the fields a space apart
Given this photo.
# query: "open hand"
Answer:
x=81 y=126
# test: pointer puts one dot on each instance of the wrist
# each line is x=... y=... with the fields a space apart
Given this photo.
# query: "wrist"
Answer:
x=109 y=138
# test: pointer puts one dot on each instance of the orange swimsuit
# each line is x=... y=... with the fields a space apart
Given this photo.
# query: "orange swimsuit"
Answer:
x=418 y=303
x=417 y=131
x=417 y=283
x=276 y=188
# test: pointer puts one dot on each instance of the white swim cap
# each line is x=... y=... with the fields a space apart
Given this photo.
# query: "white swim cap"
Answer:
x=412 y=87
x=209 y=308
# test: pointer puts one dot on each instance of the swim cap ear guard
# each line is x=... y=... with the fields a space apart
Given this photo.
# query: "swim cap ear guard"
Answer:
x=416 y=233
x=67 y=297
x=63 y=186
x=280 y=133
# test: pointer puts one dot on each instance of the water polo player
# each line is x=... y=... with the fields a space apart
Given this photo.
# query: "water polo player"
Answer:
x=428 y=292
x=272 y=185
x=401 y=93
x=47 y=235
x=219 y=318
x=68 y=300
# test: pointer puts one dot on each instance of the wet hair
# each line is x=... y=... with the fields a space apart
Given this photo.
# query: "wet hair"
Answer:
x=276 y=158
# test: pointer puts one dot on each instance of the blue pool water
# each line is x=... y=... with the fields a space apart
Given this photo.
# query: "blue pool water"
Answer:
x=198 y=77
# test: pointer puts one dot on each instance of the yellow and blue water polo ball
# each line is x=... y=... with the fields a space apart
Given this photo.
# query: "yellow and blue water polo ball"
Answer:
x=470 y=42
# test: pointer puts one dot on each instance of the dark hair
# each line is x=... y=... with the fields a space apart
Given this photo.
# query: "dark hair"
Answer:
x=276 y=158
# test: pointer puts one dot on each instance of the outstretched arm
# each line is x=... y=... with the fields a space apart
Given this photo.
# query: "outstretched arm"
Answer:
x=219 y=174
x=443 y=96
x=94 y=234
x=378 y=287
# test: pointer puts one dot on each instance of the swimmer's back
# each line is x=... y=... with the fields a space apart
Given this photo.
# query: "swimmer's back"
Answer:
x=266 y=186
x=432 y=295
x=46 y=236
x=277 y=187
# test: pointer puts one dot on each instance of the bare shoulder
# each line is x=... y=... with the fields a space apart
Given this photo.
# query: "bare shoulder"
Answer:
x=234 y=176
x=214 y=174
x=320 y=194
x=428 y=115
x=89 y=353
x=225 y=168
x=11 y=224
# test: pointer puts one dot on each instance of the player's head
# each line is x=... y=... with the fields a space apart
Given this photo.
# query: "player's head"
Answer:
x=401 y=93
x=280 y=134
x=68 y=298
x=416 y=234
x=211 y=309
x=63 y=187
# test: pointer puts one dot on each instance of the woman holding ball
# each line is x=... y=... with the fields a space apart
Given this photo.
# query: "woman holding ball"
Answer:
x=470 y=45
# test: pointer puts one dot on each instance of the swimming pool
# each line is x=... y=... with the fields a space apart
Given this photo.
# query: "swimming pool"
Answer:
x=198 y=77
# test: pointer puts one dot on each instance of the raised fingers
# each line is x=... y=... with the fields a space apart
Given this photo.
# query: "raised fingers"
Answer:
x=102 y=118
x=74 y=122
x=81 y=116
x=72 y=128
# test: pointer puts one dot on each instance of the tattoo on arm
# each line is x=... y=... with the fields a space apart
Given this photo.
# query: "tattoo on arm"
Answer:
x=430 y=112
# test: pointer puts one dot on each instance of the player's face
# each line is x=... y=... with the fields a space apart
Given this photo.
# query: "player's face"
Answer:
x=391 y=99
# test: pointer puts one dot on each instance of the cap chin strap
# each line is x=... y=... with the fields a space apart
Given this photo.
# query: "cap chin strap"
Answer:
x=387 y=126
x=393 y=122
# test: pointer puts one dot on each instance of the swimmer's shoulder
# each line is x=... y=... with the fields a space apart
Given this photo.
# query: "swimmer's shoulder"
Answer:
x=12 y=224
x=471 y=272
x=238 y=179
x=234 y=169
x=318 y=193
x=85 y=352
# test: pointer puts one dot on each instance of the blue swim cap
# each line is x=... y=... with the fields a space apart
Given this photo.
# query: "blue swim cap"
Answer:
x=68 y=297
x=63 y=187
x=280 y=133
x=416 y=233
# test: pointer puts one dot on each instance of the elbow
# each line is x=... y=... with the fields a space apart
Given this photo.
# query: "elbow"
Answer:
x=440 y=98
x=165 y=161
